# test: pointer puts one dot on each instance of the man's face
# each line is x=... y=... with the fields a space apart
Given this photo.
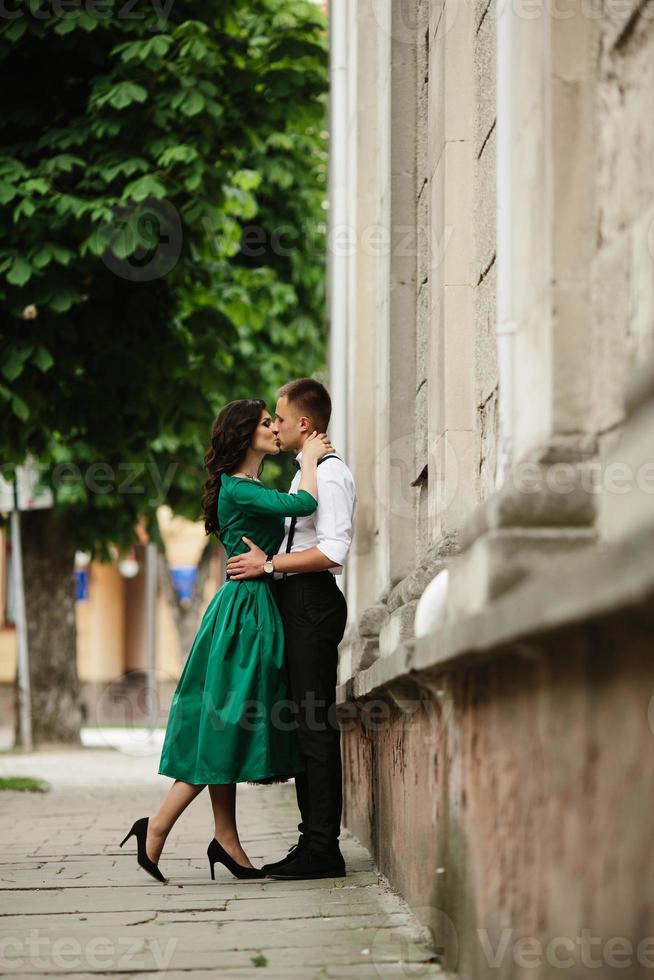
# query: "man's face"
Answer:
x=290 y=427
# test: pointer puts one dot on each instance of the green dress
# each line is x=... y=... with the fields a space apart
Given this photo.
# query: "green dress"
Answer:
x=230 y=718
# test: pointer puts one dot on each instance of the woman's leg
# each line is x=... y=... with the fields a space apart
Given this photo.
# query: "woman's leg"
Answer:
x=161 y=823
x=223 y=801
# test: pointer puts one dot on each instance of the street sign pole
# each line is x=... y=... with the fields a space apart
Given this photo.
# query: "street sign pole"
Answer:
x=152 y=700
x=23 y=665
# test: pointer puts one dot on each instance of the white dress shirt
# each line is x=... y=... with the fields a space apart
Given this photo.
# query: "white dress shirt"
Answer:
x=331 y=526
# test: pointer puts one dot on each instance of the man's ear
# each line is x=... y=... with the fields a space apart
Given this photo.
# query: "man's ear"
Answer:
x=305 y=424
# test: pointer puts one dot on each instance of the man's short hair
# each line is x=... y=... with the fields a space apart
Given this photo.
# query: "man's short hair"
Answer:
x=309 y=397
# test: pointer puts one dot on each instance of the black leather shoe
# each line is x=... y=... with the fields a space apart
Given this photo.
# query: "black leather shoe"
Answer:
x=308 y=864
x=292 y=854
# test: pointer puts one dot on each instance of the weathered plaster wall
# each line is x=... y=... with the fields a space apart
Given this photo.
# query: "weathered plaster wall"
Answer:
x=508 y=800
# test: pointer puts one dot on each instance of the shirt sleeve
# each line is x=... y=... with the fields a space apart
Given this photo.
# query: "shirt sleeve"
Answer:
x=335 y=517
x=253 y=498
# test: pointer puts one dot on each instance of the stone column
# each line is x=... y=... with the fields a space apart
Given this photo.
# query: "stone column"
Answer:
x=365 y=274
x=395 y=469
x=451 y=394
x=554 y=235
x=544 y=507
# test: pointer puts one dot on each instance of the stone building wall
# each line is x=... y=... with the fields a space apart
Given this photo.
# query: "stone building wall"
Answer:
x=423 y=368
x=501 y=428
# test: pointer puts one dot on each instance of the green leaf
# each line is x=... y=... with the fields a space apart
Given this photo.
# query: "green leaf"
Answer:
x=62 y=301
x=178 y=154
x=124 y=243
x=122 y=95
x=65 y=25
x=63 y=255
x=128 y=167
x=193 y=49
x=247 y=180
x=240 y=203
x=7 y=192
x=16 y=30
x=161 y=43
x=193 y=181
x=36 y=186
x=20 y=408
x=43 y=359
x=20 y=272
x=26 y=207
x=15 y=362
x=192 y=104
x=62 y=163
x=126 y=93
x=12 y=168
x=148 y=186
x=68 y=204
x=86 y=21
x=141 y=50
x=95 y=244
x=42 y=257
x=280 y=141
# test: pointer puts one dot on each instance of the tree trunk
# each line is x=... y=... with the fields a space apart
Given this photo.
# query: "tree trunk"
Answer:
x=49 y=571
x=187 y=620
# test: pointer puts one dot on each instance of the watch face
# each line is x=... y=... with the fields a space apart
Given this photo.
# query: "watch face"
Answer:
x=268 y=565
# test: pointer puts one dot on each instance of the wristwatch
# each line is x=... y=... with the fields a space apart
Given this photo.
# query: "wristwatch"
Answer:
x=268 y=567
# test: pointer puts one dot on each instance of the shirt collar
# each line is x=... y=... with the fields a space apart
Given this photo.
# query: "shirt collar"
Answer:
x=298 y=458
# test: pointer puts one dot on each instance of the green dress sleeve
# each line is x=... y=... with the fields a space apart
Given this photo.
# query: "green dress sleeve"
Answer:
x=253 y=498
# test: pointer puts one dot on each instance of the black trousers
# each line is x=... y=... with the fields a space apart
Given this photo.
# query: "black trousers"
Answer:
x=314 y=612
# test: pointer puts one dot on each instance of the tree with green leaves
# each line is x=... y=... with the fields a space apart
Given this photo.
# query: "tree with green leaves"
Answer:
x=162 y=252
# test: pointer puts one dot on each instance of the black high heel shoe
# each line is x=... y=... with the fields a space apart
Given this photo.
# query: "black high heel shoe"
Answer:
x=217 y=854
x=140 y=831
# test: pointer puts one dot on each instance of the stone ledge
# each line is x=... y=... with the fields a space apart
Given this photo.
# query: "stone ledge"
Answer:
x=544 y=507
x=389 y=622
x=397 y=628
x=615 y=578
x=416 y=582
x=501 y=558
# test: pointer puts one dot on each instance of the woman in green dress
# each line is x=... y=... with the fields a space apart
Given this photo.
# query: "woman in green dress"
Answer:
x=230 y=718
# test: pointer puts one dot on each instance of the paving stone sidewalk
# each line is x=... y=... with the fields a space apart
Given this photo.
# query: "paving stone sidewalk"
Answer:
x=74 y=904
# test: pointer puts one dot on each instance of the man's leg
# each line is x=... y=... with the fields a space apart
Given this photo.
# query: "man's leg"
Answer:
x=301 y=784
x=303 y=803
x=315 y=612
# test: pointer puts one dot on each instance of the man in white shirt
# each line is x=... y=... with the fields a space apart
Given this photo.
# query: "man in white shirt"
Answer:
x=314 y=612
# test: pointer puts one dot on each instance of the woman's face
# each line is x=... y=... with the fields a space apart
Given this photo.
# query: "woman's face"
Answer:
x=265 y=439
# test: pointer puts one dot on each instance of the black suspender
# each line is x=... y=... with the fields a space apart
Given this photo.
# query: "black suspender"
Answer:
x=291 y=530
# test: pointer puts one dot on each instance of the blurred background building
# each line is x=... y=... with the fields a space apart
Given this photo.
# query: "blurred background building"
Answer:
x=111 y=620
x=492 y=274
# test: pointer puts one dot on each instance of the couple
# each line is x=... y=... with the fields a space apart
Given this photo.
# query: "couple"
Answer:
x=256 y=699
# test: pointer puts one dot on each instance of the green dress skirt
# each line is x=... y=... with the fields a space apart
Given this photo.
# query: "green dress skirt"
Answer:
x=231 y=718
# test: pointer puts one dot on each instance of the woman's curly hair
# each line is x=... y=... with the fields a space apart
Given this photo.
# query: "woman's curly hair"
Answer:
x=231 y=436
